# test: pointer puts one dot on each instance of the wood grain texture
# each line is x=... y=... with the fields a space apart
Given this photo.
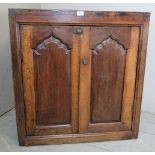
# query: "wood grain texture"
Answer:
x=78 y=138
x=130 y=76
x=17 y=77
x=29 y=28
x=52 y=82
x=140 y=77
x=48 y=87
x=41 y=33
x=106 y=127
x=120 y=34
x=52 y=86
x=107 y=78
x=65 y=17
x=44 y=130
x=75 y=58
x=51 y=40
x=85 y=79
x=52 y=44
x=28 y=78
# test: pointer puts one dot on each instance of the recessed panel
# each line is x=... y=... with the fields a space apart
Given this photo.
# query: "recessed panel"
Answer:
x=51 y=57
x=107 y=75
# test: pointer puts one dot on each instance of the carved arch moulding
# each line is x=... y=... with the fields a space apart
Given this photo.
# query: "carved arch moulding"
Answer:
x=110 y=40
x=52 y=39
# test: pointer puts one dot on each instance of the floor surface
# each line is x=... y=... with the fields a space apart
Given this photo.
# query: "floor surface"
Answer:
x=145 y=142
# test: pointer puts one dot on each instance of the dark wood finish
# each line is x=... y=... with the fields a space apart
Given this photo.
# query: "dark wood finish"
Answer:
x=108 y=66
x=76 y=138
x=17 y=78
x=122 y=110
x=119 y=34
x=52 y=78
x=77 y=78
x=47 y=83
x=84 y=86
x=130 y=77
x=140 y=77
x=64 y=17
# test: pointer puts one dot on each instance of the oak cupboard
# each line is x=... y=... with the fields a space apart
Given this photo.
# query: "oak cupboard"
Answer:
x=78 y=75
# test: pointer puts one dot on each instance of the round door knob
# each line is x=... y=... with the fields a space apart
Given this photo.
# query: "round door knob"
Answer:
x=85 y=61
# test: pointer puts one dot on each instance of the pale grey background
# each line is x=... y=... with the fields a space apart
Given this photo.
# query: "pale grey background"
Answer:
x=6 y=91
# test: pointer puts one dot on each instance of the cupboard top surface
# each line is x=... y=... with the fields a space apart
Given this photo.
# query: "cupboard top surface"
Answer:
x=71 y=18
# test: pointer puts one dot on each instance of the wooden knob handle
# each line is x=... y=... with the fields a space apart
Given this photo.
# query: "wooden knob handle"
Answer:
x=85 y=61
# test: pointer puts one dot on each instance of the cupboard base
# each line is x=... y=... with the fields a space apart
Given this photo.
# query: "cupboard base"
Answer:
x=78 y=138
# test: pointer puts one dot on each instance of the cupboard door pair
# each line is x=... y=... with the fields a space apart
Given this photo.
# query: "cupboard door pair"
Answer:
x=78 y=79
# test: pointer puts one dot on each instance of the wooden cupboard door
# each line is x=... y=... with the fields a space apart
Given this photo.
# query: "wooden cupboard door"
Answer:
x=107 y=82
x=50 y=76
